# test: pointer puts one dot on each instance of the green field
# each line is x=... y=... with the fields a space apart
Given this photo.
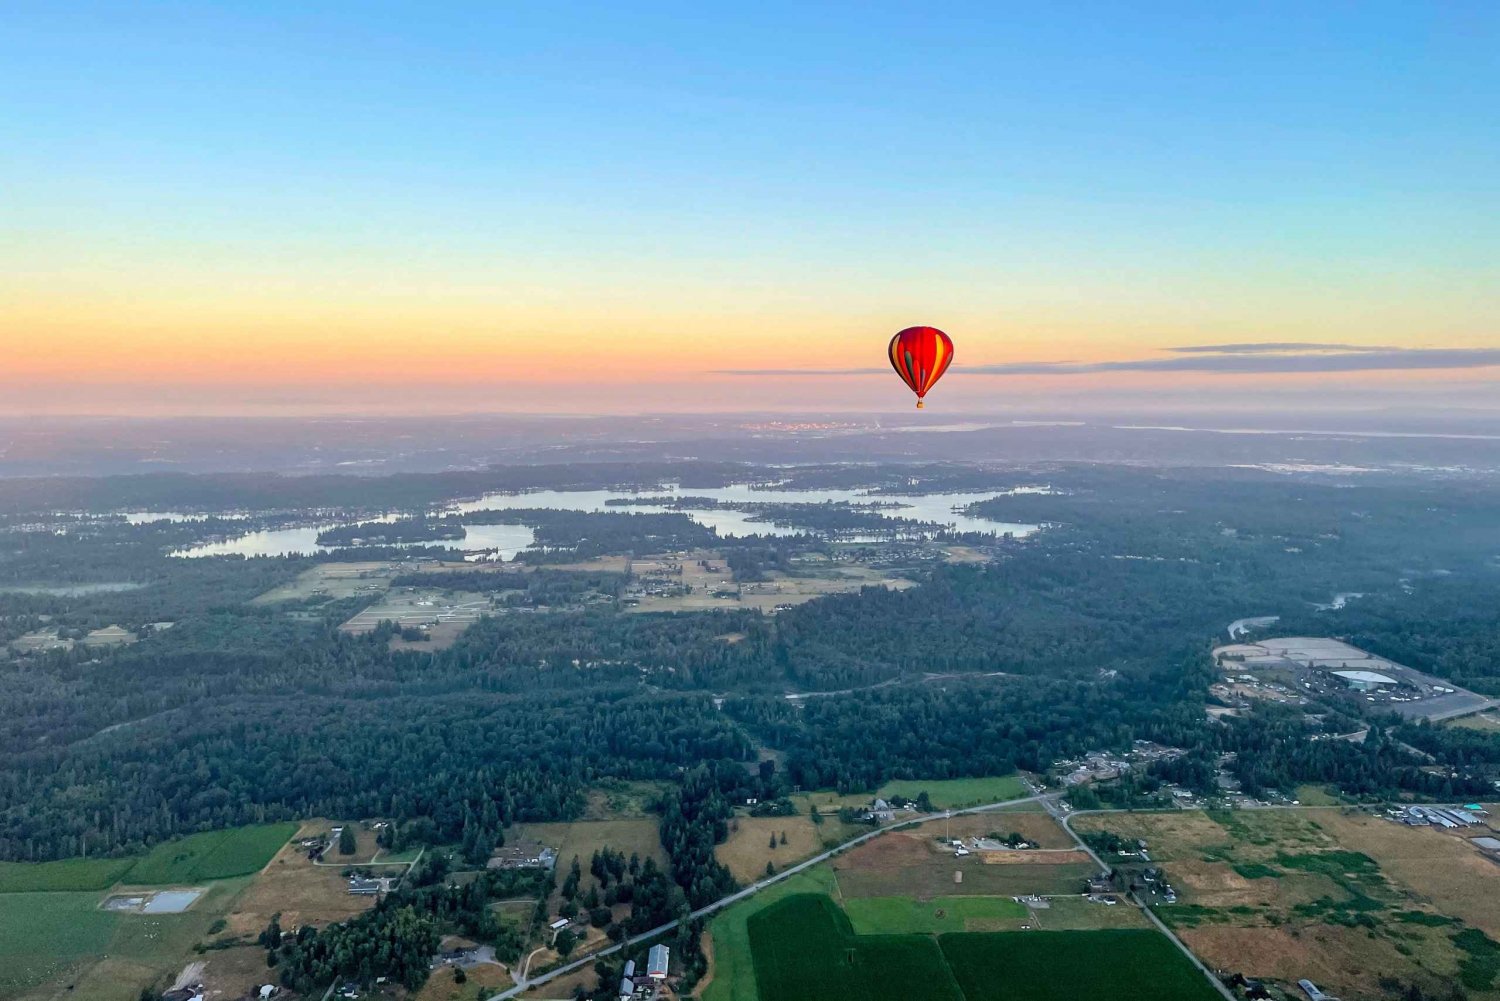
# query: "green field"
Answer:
x=803 y=947
x=67 y=874
x=734 y=974
x=1121 y=964
x=955 y=794
x=903 y=915
x=44 y=934
x=211 y=855
x=805 y=950
x=64 y=938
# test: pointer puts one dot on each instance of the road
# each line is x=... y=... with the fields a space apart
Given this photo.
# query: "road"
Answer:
x=1066 y=820
x=756 y=887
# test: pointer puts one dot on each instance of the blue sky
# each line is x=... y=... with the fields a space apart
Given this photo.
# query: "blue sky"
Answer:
x=1095 y=176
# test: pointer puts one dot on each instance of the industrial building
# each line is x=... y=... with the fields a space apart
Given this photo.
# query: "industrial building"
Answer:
x=1365 y=681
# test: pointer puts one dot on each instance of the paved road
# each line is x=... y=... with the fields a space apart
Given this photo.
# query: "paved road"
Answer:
x=1066 y=819
x=755 y=888
x=1048 y=800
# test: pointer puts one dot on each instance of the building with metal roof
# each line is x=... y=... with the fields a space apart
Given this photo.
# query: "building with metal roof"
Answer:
x=657 y=961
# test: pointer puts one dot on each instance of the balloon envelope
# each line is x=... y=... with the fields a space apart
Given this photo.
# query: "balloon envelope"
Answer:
x=920 y=356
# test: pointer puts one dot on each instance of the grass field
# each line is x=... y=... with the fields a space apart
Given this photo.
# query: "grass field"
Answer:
x=42 y=935
x=1123 y=965
x=211 y=855
x=67 y=874
x=903 y=915
x=733 y=976
x=955 y=794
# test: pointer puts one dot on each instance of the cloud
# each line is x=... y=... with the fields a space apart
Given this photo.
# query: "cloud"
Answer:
x=1234 y=359
x=1272 y=347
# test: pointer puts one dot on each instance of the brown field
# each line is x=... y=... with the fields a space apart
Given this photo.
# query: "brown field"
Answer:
x=332 y=581
x=1255 y=926
x=915 y=866
x=748 y=849
x=1348 y=962
x=304 y=893
x=584 y=837
x=1440 y=869
x=1038 y=828
x=440 y=986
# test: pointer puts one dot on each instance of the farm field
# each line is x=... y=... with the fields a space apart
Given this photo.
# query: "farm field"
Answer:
x=903 y=915
x=1342 y=897
x=50 y=940
x=1080 y=914
x=1122 y=965
x=211 y=855
x=944 y=793
x=732 y=973
x=914 y=865
x=780 y=589
x=955 y=794
x=805 y=950
x=66 y=874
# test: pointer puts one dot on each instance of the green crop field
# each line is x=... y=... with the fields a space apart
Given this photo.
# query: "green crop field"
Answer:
x=1122 y=965
x=734 y=974
x=67 y=874
x=44 y=934
x=957 y=793
x=805 y=950
x=211 y=855
x=903 y=915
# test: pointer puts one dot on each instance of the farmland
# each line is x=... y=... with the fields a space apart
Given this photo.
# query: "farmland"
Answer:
x=804 y=950
x=805 y=947
x=1335 y=895
x=1123 y=965
x=903 y=915
x=67 y=874
x=733 y=976
x=915 y=865
x=211 y=855
x=582 y=838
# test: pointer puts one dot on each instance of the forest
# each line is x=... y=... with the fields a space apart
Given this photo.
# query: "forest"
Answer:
x=1091 y=634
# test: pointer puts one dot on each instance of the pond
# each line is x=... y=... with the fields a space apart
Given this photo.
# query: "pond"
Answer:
x=505 y=541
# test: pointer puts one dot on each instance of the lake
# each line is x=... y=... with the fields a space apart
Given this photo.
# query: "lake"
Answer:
x=505 y=541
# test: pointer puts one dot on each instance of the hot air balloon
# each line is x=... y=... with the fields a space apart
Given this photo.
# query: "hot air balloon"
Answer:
x=920 y=356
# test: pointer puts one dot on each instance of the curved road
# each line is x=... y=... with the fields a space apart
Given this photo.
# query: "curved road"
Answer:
x=1066 y=820
x=756 y=887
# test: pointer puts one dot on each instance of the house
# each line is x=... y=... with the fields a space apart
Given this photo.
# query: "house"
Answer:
x=268 y=991
x=1311 y=990
x=657 y=961
x=364 y=887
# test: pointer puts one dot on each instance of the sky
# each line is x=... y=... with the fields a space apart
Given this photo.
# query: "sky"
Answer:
x=281 y=207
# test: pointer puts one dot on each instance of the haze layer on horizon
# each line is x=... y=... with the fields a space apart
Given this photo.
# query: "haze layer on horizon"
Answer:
x=567 y=209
